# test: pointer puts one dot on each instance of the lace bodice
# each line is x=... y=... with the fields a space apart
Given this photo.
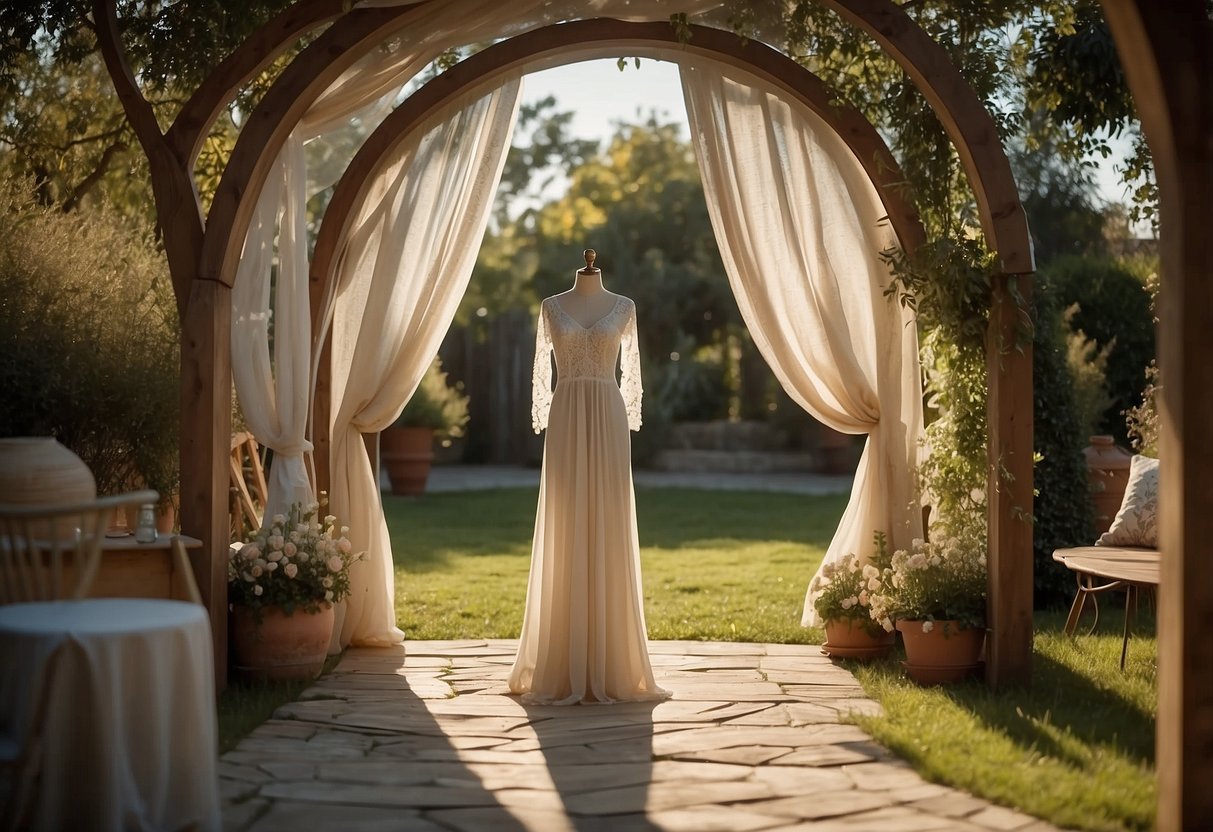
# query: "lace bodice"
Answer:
x=586 y=353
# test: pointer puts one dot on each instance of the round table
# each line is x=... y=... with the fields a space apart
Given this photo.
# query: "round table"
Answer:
x=129 y=737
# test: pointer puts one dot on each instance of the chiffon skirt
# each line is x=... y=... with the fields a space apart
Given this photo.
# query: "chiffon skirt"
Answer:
x=583 y=634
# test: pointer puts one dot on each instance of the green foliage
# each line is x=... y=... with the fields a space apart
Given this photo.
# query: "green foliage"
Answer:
x=89 y=334
x=436 y=404
x=296 y=561
x=943 y=579
x=1087 y=363
x=1062 y=508
x=844 y=589
x=1114 y=311
x=1143 y=420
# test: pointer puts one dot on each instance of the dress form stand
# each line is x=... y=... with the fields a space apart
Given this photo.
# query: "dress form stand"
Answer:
x=589 y=279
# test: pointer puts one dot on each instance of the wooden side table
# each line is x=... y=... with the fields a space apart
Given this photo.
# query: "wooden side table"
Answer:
x=1100 y=571
x=147 y=570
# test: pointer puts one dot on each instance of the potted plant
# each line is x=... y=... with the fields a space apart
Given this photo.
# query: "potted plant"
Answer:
x=436 y=410
x=936 y=593
x=282 y=585
x=845 y=591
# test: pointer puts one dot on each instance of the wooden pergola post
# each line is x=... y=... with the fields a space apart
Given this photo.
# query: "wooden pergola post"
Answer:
x=1009 y=485
x=1167 y=53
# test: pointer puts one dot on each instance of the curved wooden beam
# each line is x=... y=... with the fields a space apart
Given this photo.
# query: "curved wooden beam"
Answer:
x=964 y=117
x=275 y=116
x=195 y=118
x=567 y=43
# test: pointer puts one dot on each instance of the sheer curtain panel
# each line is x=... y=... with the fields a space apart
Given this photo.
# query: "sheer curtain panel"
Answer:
x=404 y=270
x=800 y=229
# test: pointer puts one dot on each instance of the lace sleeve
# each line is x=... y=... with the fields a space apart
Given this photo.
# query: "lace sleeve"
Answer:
x=629 y=359
x=541 y=380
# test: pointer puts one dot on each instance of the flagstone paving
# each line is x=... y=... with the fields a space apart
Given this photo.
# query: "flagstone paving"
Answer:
x=426 y=737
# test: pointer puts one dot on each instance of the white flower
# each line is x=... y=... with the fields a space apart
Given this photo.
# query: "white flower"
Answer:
x=329 y=519
x=344 y=546
x=917 y=561
x=247 y=576
x=873 y=584
x=928 y=626
x=290 y=570
x=313 y=507
x=279 y=519
x=328 y=595
x=274 y=555
x=256 y=571
x=345 y=530
x=276 y=541
x=935 y=560
x=887 y=623
x=335 y=563
x=847 y=603
x=327 y=582
x=304 y=557
x=257 y=590
x=249 y=552
x=270 y=567
x=870 y=571
x=863 y=598
x=916 y=544
x=295 y=537
x=290 y=549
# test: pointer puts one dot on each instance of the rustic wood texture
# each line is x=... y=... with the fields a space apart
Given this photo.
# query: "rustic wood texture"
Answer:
x=1009 y=486
x=962 y=114
x=582 y=40
x=1167 y=53
x=206 y=415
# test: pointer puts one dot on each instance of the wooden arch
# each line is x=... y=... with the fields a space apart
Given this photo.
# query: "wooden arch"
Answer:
x=559 y=45
x=205 y=299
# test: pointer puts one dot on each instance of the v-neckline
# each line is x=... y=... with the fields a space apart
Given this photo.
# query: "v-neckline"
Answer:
x=565 y=312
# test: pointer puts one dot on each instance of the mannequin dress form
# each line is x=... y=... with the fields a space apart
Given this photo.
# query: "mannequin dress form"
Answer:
x=583 y=634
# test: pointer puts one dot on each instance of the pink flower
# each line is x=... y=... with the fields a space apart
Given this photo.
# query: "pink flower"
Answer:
x=336 y=564
x=290 y=570
x=290 y=549
x=344 y=546
x=928 y=626
x=249 y=551
x=256 y=572
x=274 y=555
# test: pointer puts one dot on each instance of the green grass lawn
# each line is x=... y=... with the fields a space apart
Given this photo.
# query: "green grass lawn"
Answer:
x=725 y=566
x=1077 y=749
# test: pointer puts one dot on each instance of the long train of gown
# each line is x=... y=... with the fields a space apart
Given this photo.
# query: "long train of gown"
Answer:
x=583 y=634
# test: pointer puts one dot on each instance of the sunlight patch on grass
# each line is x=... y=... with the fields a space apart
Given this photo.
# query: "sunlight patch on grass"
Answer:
x=1076 y=749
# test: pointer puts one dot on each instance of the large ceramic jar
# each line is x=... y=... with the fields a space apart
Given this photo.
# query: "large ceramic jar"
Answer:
x=1108 y=475
x=37 y=470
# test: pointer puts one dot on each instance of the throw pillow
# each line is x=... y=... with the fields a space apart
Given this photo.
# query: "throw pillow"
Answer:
x=1136 y=523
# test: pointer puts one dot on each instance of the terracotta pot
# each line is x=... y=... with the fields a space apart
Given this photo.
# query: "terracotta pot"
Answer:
x=37 y=470
x=407 y=454
x=280 y=647
x=1108 y=476
x=948 y=653
x=847 y=638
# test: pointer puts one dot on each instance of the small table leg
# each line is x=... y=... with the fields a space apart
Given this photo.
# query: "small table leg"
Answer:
x=1130 y=597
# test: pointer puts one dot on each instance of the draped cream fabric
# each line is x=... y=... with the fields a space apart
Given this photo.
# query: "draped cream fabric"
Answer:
x=800 y=230
x=583 y=635
x=407 y=263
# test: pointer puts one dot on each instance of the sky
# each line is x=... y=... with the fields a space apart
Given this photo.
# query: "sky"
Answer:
x=599 y=95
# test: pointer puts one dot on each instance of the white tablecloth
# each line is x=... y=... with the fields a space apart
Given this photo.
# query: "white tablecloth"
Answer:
x=130 y=739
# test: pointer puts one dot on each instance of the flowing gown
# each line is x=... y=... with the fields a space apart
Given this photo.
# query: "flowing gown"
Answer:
x=583 y=634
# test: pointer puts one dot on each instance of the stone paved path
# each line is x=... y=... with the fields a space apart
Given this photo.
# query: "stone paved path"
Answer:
x=424 y=737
